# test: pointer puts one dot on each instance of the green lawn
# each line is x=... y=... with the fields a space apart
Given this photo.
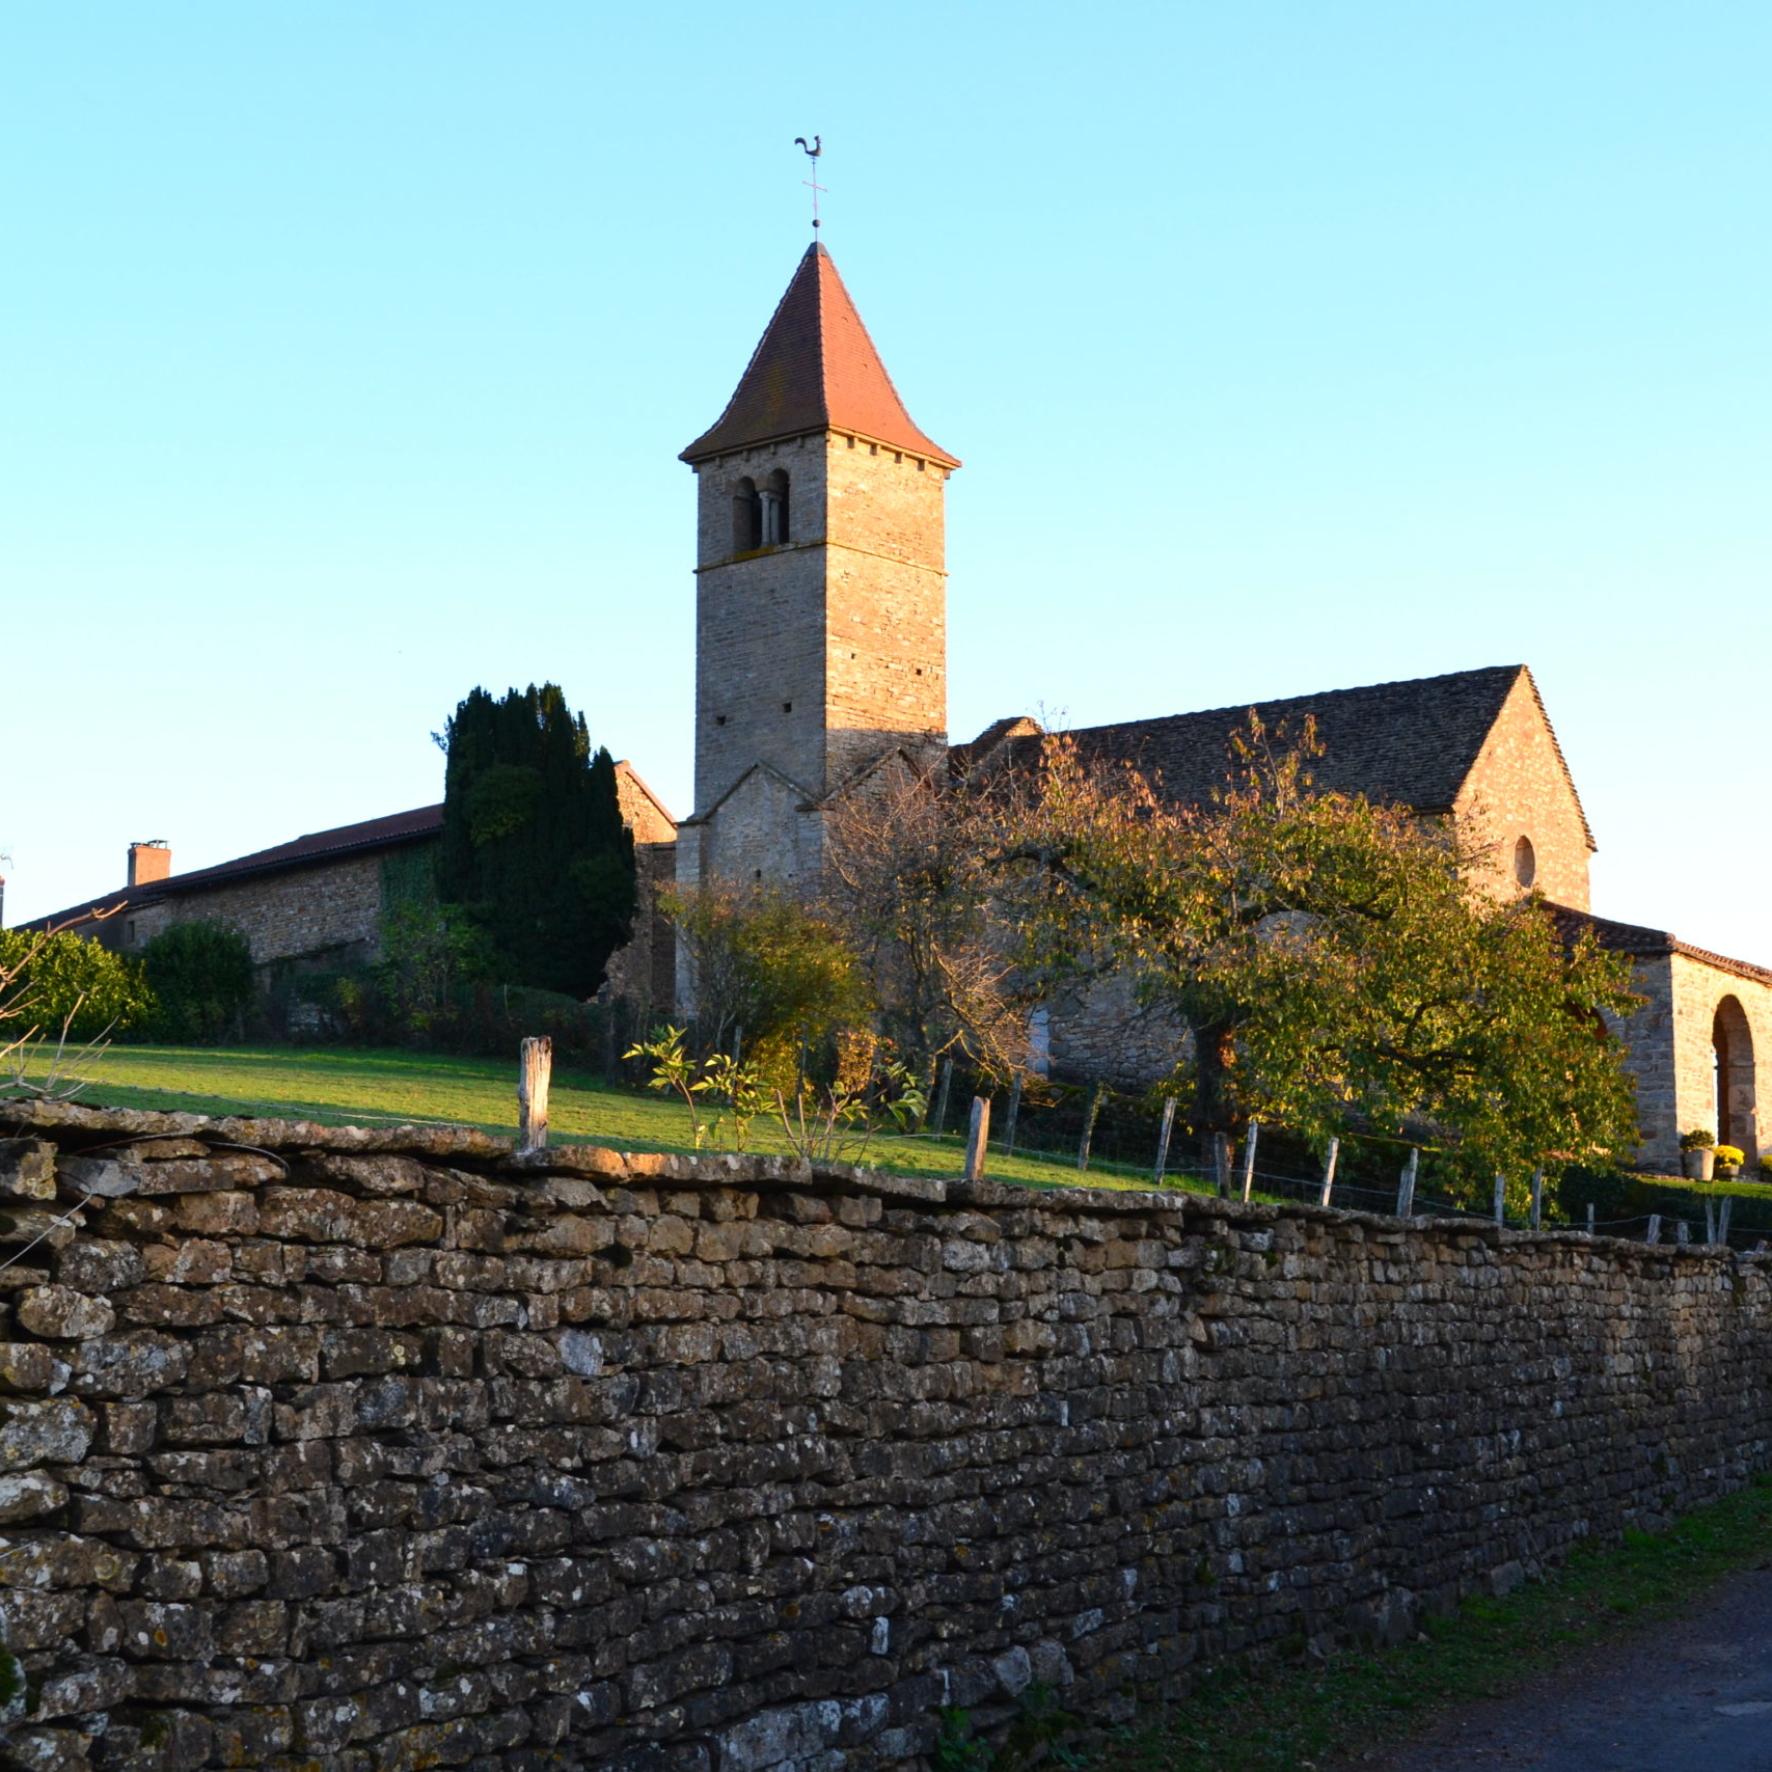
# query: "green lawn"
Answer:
x=341 y=1087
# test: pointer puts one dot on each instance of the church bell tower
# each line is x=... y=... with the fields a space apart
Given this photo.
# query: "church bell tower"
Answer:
x=820 y=625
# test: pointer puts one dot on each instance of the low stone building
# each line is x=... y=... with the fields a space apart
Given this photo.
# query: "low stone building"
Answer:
x=1696 y=1045
x=317 y=903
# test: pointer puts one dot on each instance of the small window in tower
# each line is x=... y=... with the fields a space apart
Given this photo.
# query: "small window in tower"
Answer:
x=774 y=503
x=747 y=516
x=787 y=707
x=1525 y=862
x=719 y=719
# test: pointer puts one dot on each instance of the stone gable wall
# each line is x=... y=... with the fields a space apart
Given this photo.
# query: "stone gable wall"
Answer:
x=1517 y=788
x=1673 y=1061
x=350 y=1451
x=645 y=971
x=1697 y=989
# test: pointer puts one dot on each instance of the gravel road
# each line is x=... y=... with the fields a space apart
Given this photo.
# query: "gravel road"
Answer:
x=1694 y=1696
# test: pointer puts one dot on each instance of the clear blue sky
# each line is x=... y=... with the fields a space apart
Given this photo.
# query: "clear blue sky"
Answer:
x=345 y=352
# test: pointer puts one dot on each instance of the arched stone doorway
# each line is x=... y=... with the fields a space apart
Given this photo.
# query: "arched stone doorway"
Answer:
x=1733 y=1043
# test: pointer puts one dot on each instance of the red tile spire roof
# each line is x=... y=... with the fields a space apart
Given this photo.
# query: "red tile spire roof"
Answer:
x=815 y=369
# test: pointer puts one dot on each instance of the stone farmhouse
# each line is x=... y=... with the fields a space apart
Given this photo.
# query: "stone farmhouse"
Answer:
x=821 y=647
x=317 y=903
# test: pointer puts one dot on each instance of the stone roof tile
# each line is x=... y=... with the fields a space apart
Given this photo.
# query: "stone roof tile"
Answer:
x=1411 y=743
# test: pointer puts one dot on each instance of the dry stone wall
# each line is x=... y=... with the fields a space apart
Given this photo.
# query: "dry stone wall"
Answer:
x=351 y=1451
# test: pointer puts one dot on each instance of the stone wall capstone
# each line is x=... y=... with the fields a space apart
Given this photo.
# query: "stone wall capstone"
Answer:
x=363 y=1451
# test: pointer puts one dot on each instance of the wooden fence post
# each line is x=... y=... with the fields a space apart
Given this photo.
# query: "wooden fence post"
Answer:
x=532 y=1095
x=1013 y=1114
x=1406 y=1187
x=977 y=1138
x=1163 y=1132
x=1221 y=1163
x=940 y=1117
x=1088 y=1137
x=1682 y=1231
x=1537 y=1199
x=1329 y=1170
x=1654 y=1235
x=1710 y=1222
x=1500 y=1198
x=1723 y=1206
x=1249 y=1144
x=1590 y=1218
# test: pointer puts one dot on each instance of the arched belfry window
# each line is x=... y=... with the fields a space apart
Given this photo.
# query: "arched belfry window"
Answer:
x=747 y=516
x=1525 y=862
x=774 y=498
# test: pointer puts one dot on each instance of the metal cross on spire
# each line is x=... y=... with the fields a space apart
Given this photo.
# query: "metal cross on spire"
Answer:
x=812 y=153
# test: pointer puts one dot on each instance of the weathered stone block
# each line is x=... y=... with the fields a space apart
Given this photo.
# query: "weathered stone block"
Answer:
x=59 y=1313
x=56 y=1431
x=27 y=1169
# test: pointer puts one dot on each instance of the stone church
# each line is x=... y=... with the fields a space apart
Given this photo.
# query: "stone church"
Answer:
x=821 y=656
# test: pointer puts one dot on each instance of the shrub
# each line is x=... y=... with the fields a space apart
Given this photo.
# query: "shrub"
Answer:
x=1698 y=1140
x=201 y=974
x=772 y=971
x=1728 y=1153
x=534 y=849
x=70 y=981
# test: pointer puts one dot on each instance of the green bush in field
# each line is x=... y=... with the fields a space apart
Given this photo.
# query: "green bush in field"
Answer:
x=70 y=982
x=202 y=980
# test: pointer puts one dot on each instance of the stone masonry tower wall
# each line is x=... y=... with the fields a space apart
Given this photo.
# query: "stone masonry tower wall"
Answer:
x=820 y=589
x=817 y=654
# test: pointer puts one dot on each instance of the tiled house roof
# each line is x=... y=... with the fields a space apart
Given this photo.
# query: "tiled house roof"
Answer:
x=815 y=369
x=644 y=812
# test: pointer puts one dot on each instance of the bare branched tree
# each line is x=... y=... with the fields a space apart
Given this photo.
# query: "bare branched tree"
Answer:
x=31 y=1066
x=909 y=879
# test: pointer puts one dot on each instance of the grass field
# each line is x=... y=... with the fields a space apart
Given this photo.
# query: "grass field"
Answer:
x=339 y=1087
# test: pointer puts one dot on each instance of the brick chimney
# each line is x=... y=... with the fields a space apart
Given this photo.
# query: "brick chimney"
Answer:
x=149 y=862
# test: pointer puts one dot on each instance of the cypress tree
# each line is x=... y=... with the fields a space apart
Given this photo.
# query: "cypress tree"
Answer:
x=534 y=849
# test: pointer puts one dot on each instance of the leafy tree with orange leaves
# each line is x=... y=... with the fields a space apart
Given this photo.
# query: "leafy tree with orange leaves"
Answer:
x=1327 y=958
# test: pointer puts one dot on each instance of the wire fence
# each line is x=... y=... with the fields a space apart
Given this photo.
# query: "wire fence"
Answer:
x=1706 y=1224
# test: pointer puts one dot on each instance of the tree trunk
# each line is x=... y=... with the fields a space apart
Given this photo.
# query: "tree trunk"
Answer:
x=1214 y=1054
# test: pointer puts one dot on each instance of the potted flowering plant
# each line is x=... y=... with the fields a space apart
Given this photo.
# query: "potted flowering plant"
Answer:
x=1698 y=1152
x=1729 y=1159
